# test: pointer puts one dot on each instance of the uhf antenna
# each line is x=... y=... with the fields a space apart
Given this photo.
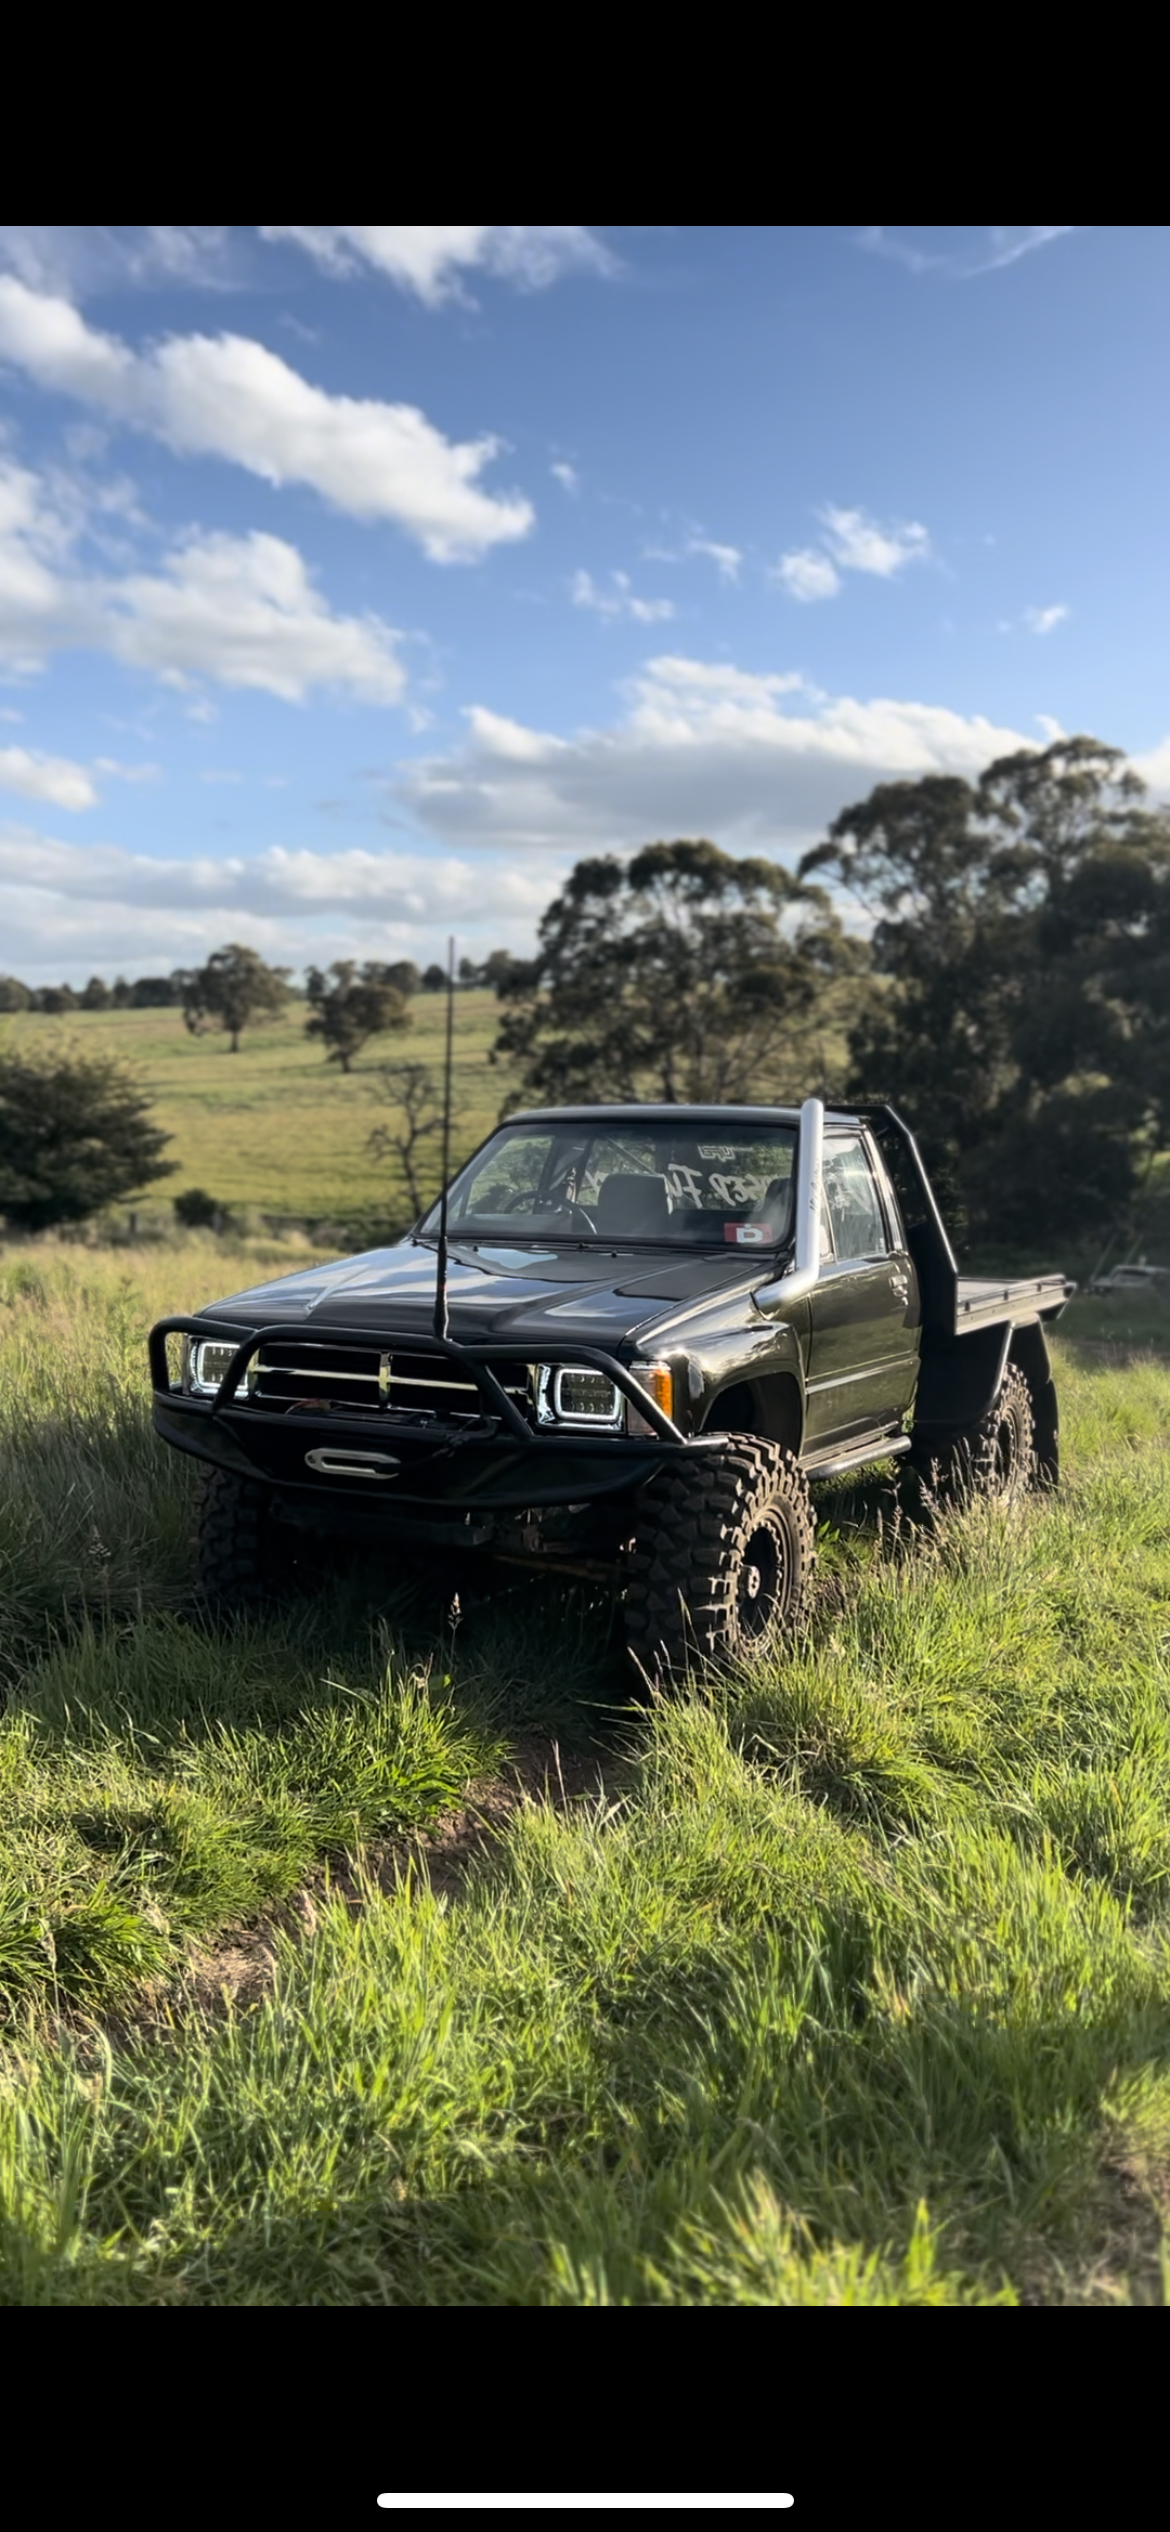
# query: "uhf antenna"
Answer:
x=441 y=1261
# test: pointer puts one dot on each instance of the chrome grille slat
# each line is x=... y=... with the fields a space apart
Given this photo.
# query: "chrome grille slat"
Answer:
x=305 y=1371
x=424 y=1383
x=402 y=1380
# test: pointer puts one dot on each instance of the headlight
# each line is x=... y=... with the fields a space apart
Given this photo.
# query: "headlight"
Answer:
x=577 y=1397
x=588 y=1399
x=587 y=1394
x=208 y=1364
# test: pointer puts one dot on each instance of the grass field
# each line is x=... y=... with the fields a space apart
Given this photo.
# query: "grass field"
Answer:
x=844 y=1980
x=275 y=1132
x=275 y=1128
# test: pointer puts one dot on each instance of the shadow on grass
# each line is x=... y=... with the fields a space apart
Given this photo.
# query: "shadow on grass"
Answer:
x=532 y=1654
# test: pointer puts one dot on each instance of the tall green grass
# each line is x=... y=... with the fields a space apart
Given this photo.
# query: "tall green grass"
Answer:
x=853 y=1988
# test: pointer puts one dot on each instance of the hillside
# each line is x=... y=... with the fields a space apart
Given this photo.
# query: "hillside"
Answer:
x=276 y=1127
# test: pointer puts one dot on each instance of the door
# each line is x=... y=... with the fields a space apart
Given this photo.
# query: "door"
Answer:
x=864 y=1313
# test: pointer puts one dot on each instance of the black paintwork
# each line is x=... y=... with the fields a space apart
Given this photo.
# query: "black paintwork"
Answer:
x=879 y=1346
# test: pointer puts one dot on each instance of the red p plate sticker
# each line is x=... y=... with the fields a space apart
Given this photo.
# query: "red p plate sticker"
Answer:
x=749 y=1234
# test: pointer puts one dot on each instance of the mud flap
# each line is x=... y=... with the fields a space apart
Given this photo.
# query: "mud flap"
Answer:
x=961 y=1377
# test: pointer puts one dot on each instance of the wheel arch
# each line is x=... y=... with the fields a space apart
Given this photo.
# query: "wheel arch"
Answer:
x=770 y=1406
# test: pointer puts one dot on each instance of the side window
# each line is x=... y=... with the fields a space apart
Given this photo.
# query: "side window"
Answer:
x=859 y=1228
x=826 y=1232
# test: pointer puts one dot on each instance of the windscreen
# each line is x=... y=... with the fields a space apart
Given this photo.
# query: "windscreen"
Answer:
x=712 y=1185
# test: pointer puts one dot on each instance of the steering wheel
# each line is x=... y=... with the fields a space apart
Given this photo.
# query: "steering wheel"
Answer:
x=577 y=1217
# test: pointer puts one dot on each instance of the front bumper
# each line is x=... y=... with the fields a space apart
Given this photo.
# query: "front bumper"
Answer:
x=367 y=1465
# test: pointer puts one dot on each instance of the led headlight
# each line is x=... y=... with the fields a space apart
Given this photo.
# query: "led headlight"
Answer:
x=584 y=1398
x=208 y=1363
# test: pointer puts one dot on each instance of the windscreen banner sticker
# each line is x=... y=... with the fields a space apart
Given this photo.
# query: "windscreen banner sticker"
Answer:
x=687 y=1184
x=748 y=1188
x=750 y=1234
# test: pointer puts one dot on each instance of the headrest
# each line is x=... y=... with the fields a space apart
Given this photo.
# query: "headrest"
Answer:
x=633 y=1202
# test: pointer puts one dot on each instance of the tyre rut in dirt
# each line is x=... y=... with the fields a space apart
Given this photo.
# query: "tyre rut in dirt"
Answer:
x=723 y=1558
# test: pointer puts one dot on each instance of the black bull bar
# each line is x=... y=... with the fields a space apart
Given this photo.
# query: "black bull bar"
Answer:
x=487 y=1461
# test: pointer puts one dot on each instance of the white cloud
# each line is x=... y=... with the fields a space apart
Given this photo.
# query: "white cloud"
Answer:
x=181 y=254
x=702 y=748
x=35 y=605
x=405 y=886
x=500 y=737
x=67 y=909
x=853 y=542
x=808 y=575
x=237 y=610
x=566 y=475
x=726 y=558
x=35 y=254
x=243 y=610
x=52 y=778
x=990 y=250
x=619 y=599
x=118 y=772
x=1044 y=619
x=78 y=258
x=431 y=262
x=229 y=397
x=858 y=543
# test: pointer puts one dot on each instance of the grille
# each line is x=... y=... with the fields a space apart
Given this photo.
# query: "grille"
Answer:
x=378 y=1383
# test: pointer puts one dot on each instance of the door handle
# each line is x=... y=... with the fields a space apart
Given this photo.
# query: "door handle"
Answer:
x=900 y=1285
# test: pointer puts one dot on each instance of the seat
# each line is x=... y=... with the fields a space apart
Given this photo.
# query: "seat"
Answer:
x=634 y=1203
x=778 y=1205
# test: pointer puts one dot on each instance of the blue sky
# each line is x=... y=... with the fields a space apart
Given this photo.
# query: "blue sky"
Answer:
x=355 y=581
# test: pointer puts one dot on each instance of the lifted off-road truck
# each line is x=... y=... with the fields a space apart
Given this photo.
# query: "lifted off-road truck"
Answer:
x=660 y=1326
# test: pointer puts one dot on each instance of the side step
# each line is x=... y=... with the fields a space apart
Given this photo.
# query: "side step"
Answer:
x=866 y=1456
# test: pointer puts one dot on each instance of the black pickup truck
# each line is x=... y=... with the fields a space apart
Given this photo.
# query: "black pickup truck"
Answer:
x=654 y=1330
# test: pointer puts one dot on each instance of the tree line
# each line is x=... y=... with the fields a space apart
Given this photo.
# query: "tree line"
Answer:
x=349 y=1003
x=990 y=956
x=160 y=993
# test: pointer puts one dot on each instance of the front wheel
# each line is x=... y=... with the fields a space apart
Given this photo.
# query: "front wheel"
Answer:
x=723 y=1558
x=244 y=1559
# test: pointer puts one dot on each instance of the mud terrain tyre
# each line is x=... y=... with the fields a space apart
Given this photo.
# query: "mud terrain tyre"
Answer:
x=244 y=1560
x=723 y=1559
x=995 y=1458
